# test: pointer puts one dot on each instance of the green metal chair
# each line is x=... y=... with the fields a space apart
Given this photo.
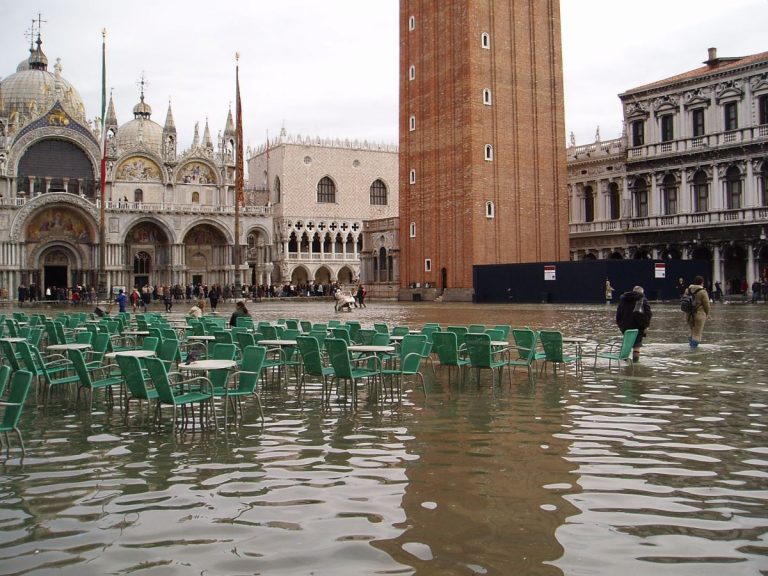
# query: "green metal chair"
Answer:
x=10 y=356
x=460 y=332
x=525 y=345
x=17 y=397
x=246 y=380
x=50 y=371
x=87 y=382
x=312 y=362
x=476 y=329
x=623 y=353
x=5 y=376
x=552 y=342
x=412 y=352
x=170 y=393
x=136 y=387
x=482 y=356
x=343 y=369
x=446 y=346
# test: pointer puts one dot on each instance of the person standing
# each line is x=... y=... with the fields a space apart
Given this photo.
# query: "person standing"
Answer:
x=361 y=296
x=756 y=289
x=168 y=298
x=213 y=296
x=634 y=311
x=701 y=311
x=608 y=291
x=22 y=294
x=121 y=299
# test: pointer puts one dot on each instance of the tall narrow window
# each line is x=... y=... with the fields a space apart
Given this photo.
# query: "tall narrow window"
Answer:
x=589 y=204
x=613 y=200
x=278 y=191
x=195 y=197
x=485 y=40
x=697 y=119
x=762 y=104
x=378 y=193
x=326 y=190
x=412 y=230
x=412 y=177
x=700 y=192
x=412 y=72
x=142 y=263
x=641 y=198
x=667 y=128
x=412 y=23
x=490 y=210
x=427 y=265
x=730 y=112
x=764 y=185
x=412 y=123
x=638 y=133
x=733 y=188
x=488 y=152
x=138 y=195
x=669 y=195
x=487 y=100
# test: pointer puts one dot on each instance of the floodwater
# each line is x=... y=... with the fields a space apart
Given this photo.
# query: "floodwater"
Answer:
x=660 y=470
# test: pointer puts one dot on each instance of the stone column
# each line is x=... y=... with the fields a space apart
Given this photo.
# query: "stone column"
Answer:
x=716 y=266
x=750 y=265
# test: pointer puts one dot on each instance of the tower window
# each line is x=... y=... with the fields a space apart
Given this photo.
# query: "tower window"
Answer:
x=412 y=230
x=487 y=100
x=489 y=153
x=485 y=40
x=412 y=23
x=427 y=265
x=412 y=177
x=490 y=210
x=412 y=123
x=412 y=72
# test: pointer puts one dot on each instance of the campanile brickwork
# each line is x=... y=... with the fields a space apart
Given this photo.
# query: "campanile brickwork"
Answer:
x=482 y=139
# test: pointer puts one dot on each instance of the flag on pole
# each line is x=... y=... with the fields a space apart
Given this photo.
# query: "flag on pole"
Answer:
x=103 y=113
x=239 y=180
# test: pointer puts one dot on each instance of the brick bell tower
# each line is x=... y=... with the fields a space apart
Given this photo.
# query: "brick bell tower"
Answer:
x=482 y=140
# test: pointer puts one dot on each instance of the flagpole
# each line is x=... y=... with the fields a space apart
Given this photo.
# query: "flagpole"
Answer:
x=102 y=279
x=239 y=181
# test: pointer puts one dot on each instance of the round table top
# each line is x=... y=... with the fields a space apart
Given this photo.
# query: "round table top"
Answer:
x=397 y=338
x=576 y=339
x=134 y=353
x=208 y=365
x=136 y=332
x=13 y=339
x=202 y=338
x=277 y=342
x=72 y=346
x=499 y=343
x=370 y=348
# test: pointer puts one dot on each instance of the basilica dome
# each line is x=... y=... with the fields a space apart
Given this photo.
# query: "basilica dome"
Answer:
x=32 y=90
x=141 y=132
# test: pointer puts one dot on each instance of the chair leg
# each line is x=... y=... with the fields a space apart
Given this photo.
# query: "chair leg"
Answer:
x=21 y=441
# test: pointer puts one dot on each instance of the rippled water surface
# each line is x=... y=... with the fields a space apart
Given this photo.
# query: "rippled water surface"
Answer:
x=660 y=470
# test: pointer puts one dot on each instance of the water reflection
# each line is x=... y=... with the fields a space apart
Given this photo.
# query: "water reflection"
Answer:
x=659 y=469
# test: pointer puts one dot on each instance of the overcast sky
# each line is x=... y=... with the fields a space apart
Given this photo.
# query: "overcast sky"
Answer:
x=330 y=67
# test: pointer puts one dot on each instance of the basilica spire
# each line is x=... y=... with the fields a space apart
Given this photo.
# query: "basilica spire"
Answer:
x=229 y=128
x=207 y=142
x=169 y=136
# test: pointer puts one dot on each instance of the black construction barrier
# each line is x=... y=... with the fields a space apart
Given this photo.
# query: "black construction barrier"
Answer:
x=584 y=281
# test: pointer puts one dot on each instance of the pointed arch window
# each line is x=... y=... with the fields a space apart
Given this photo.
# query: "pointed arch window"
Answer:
x=278 y=190
x=326 y=191
x=488 y=154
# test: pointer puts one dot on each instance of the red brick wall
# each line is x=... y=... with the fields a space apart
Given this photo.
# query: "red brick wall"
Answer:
x=525 y=124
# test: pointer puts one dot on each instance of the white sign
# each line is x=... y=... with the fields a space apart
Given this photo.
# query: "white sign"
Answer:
x=661 y=271
x=549 y=273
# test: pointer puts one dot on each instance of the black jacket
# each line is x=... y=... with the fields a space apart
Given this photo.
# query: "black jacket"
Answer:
x=625 y=317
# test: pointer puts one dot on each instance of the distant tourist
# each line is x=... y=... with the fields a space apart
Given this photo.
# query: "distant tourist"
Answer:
x=700 y=313
x=608 y=291
x=634 y=311
x=121 y=300
x=240 y=311
x=197 y=310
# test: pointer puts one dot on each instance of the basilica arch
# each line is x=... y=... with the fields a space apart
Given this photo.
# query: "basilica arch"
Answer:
x=148 y=257
x=207 y=254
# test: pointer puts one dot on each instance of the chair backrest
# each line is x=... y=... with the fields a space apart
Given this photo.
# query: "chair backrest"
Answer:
x=412 y=352
x=100 y=343
x=446 y=346
x=525 y=343
x=12 y=326
x=338 y=355
x=245 y=339
x=400 y=330
x=627 y=343
x=80 y=369
x=306 y=326
x=354 y=328
x=380 y=339
x=35 y=335
x=156 y=332
x=320 y=336
x=552 y=342
x=170 y=334
x=269 y=332
x=159 y=376
x=59 y=327
x=341 y=334
x=130 y=369
x=169 y=350
x=84 y=337
x=333 y=323
x=30 y=358
x=223 y=351
x=150 y=343
x=244 y=322
x=506 y=328
x=381 y=327
x=496 y=335
x=365 y=336
x=460 y=332
x=222 y=337
x=253 y=362
x=476 y=329
x=292 y=324
x=20 y=384
x=9 y=354
x=5 y=376
x=478 y=349
x=309 y=349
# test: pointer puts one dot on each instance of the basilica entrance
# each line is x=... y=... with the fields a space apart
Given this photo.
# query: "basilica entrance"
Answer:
x=58 y=266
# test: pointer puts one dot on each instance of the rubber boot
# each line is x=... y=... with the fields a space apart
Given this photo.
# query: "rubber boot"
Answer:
x=694 y=343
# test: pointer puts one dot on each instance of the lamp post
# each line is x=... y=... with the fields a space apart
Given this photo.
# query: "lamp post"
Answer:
x=239 y=181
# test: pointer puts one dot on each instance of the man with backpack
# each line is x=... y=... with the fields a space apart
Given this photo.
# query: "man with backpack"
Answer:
x=695 y=305
x=634 y=311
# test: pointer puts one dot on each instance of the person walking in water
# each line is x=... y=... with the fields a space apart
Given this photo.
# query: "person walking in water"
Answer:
x=634 y=311
x=608 y=291
x=700 y=312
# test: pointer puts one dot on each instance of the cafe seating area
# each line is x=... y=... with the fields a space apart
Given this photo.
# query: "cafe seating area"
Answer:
x=199 y=373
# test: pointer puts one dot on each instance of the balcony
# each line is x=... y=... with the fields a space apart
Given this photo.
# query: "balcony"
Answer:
x=150 y=207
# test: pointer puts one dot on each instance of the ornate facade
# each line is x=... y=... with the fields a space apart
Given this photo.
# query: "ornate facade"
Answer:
x=321 y=192
x=689 y=179
x=169 y=214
